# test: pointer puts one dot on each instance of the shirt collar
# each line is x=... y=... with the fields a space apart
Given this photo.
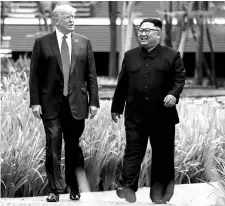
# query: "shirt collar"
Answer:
x=149 y=50
x=152 y=53
x=60 y=35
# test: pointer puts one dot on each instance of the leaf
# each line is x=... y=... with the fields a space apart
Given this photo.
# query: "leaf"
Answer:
x=18 y=186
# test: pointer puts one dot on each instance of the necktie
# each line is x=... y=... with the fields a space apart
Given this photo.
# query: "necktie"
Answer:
x=65 y=56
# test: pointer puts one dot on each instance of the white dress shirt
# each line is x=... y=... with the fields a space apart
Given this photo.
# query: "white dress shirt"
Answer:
x=59 y=36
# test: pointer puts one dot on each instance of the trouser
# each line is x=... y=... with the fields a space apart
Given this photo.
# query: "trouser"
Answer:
x=71 y=129
x=162 y=168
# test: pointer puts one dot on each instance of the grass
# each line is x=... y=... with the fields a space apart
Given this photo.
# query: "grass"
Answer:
x=199 y=153
x=111 y=82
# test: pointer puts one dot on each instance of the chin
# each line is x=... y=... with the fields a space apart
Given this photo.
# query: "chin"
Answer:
x=145 y=46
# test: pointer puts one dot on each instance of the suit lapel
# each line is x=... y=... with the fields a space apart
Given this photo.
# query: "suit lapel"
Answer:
x=74 y=52
x=55 y=49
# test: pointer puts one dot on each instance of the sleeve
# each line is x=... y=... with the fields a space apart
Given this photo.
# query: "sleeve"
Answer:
x=92 y=84
x=35 y=66
x=179 y=76
x=120 y=93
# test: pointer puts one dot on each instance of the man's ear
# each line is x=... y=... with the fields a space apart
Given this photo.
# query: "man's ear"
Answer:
x=55 y=21
x=159 y=34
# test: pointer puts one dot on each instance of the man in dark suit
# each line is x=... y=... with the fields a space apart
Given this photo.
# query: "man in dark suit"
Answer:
x=150 y=83
x=63 y=90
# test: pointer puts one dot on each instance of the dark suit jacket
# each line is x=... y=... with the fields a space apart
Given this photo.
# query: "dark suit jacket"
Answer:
x=145 y=80
x=46 y=76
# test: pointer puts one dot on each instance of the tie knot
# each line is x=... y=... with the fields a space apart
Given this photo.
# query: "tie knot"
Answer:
x=64 y=37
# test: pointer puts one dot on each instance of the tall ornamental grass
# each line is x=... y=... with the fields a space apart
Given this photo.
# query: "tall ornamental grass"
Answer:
x=199 y=152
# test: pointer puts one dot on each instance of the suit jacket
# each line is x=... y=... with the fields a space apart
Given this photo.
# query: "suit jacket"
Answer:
x=144 y=81
x=46 y=76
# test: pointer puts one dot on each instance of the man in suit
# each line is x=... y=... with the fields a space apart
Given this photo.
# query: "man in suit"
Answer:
x=150 y=83
x=63 y=91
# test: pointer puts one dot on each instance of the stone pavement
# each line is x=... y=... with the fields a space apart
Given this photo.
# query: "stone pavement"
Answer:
x=201 y=194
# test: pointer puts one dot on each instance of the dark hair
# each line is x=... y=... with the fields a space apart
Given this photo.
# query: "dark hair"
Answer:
x=156 y=22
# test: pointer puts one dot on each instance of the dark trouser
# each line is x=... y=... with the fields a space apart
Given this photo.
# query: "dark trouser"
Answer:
x=162 y=168
x=71 y=129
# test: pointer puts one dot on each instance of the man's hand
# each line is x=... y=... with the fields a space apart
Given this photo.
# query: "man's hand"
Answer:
x=115 y=116
x=93 y=111
x=169 y=100
x=37 y=111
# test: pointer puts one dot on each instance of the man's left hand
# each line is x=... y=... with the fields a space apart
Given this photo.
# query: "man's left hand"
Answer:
x=169 y=100
x=93 y=111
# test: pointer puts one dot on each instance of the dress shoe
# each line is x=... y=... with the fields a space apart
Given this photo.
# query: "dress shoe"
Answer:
x=160 y=202
x=127 y=193
x=52 y=197
x=74 y=195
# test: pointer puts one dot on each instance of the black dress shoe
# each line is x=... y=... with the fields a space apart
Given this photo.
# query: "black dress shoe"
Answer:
x=160 y=202
x=74 y=195
x=127 y=193
x=52 y=197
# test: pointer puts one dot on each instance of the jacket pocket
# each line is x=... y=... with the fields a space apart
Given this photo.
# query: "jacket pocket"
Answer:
x=164 y=67
x=83 y=90
x=133 y=70
x=43 y=91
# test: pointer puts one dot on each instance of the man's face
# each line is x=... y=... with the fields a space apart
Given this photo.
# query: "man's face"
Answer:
x=65 y=21
x=149 y=35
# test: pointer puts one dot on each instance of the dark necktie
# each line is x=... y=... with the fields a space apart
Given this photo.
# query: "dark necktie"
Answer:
x=65 y=56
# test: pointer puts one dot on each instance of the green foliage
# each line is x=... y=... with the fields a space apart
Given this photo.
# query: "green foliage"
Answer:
x=199 y=153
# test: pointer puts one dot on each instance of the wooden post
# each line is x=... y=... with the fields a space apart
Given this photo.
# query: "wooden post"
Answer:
x=129 y=28
x=198 y=76
x=113 y=29
x=122 y=33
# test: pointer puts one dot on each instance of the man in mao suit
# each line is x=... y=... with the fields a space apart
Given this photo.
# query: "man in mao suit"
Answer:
x=63 y=91
x=150 y=83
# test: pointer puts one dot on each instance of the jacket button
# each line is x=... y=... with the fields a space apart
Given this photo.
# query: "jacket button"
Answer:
x=147 y=65
x=146 y=98
x=146 y=75
x=146 y=87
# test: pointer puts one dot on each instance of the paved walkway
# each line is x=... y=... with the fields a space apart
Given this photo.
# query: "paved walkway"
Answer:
x=185 y=195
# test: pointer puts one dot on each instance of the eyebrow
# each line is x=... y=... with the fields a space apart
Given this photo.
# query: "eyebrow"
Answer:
x=67 y=15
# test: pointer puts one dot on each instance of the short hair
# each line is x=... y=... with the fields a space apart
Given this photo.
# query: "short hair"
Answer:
x=156 y=22
x=60 y=8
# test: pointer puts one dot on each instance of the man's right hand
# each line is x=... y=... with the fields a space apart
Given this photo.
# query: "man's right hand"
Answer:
x=37 y=111
x=115 y=116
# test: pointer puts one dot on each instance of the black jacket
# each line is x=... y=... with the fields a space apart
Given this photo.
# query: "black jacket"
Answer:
x=46 y=76
x=146 y=79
